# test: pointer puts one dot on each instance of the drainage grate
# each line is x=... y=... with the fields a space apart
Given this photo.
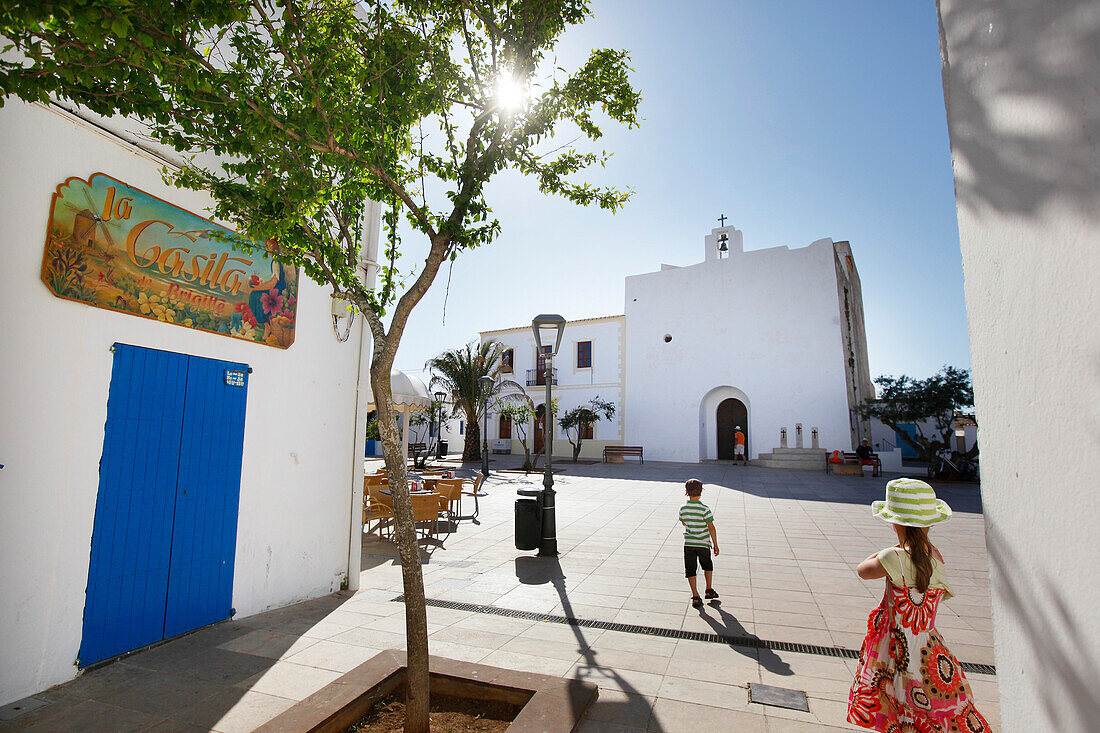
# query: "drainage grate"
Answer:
x=743 y=641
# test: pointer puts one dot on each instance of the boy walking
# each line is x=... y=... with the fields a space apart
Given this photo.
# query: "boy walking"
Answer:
x=699 y=534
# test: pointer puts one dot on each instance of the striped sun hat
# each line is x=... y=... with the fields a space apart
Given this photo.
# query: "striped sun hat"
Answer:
x=911 y=503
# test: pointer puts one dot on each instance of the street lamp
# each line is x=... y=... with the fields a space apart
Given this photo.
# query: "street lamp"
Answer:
x=487 y=385
x=439 y=430
x=546 y=322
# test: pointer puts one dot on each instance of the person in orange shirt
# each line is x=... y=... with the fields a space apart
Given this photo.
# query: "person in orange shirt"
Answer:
x=739 y=446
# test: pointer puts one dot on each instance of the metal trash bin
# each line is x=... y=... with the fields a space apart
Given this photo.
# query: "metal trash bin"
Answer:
x=528 y=524
x=442 y=451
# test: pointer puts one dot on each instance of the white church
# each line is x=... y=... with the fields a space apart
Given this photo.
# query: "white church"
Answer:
x=769 y=340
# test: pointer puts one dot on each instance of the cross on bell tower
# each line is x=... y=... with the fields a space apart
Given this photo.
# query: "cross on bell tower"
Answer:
x=723 y=241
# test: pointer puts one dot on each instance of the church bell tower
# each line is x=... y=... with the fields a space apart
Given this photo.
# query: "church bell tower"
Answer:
x=723 y=241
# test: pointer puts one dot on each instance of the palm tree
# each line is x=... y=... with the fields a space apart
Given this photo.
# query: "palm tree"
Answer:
x=458 y=372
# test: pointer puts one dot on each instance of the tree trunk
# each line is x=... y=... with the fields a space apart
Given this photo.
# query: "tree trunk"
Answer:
x=471 y=451
x=416 y=618
x=576 y=449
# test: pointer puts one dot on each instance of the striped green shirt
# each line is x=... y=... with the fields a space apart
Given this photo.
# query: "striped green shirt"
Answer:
x=696 y=516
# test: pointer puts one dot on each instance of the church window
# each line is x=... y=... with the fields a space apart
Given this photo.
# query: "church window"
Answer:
x=584 y=354
x=505 y=428
x=588 y=431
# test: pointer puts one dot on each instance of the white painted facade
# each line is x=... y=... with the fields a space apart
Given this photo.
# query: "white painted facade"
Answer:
x=576 y=385
x=767 y=327
x=300 y=490
x=781 y=330
x=1020 y=82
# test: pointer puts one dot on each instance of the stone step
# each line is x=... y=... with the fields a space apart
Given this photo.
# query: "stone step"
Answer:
x=814 y=458
x=799 y=451
x=788 y=465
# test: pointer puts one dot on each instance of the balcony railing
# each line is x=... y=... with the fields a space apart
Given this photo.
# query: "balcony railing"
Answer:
x=538 y=377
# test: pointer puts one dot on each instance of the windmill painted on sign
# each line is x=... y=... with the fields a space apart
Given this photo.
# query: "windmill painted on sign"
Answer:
x=85 y=223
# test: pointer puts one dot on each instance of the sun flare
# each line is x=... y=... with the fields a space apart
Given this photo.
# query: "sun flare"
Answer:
x=510 y=93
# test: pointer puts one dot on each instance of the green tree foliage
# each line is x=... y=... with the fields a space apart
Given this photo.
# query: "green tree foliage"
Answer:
x=312 y=107
x=518 y=410
x=576 y=421
x=459 y=372
x=904 y=400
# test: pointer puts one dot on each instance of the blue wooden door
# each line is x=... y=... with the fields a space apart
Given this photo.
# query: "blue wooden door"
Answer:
x=164 y=533
x=200 y=583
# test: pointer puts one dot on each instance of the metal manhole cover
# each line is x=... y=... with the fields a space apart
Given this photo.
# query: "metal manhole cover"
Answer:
x=779 y=697
x=13 y=710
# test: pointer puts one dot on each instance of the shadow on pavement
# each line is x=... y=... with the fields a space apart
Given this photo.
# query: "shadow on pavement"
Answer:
x=727 y=625
x=542 y=570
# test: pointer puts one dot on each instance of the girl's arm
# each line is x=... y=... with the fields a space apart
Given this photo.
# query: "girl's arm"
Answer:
x=871 y=568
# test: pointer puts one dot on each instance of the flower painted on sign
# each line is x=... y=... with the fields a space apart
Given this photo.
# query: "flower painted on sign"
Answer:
x=272 y=302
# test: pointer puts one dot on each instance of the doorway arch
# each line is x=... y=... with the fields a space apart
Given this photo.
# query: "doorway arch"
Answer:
x=708 y=420
x=538 y=435
x=731 y=414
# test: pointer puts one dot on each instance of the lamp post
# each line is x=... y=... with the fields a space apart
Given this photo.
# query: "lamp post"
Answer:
x=548 y=547
x=439 y=430
x=487 y=385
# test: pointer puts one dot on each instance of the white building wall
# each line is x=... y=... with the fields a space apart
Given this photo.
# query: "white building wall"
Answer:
x=1021 y=80
x=764 y=324
x=576 y=385
x=300 y=465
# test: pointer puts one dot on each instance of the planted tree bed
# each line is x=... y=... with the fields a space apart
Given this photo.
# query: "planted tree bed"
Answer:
x=450 y=714
x=373 y=694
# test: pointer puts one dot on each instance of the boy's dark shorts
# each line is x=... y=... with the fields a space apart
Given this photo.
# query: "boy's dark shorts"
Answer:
x=693 y=555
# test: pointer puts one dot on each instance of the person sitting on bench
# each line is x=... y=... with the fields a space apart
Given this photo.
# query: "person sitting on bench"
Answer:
x=864 y=453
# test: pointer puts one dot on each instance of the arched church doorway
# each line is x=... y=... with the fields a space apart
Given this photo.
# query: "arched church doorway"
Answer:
x=731 y=413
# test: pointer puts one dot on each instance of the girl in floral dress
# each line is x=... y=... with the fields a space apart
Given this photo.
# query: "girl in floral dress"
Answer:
x=907 y=681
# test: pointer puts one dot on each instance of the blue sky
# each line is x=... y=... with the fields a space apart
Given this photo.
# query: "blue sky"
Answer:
x=797 y=120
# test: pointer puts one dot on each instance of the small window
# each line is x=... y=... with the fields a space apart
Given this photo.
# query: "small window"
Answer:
x=584 y=354
x=505 y=428
x=461 y=427
x=588 y=432
x=507 y=361
x=540 y=365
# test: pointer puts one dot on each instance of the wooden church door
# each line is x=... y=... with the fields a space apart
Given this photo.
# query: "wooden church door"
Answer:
x=731 y=413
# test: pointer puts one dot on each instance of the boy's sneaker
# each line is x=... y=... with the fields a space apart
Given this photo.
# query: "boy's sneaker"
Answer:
x=711 y=594
x=696 y=602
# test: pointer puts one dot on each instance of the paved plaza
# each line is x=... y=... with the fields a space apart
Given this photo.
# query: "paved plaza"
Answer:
x=789 y=542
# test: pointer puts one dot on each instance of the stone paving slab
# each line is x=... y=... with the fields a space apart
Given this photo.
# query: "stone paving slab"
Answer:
x=790 y=542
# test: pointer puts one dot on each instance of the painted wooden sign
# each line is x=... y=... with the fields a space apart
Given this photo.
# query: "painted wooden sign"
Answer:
x=113 y=246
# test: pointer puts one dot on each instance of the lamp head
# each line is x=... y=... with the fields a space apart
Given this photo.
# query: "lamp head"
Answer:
x=439 y=396
x=548 y=321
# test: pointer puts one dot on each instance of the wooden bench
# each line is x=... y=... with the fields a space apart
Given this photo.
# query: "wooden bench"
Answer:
x=851 y=459
x=416 y=449
x=623 y=450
